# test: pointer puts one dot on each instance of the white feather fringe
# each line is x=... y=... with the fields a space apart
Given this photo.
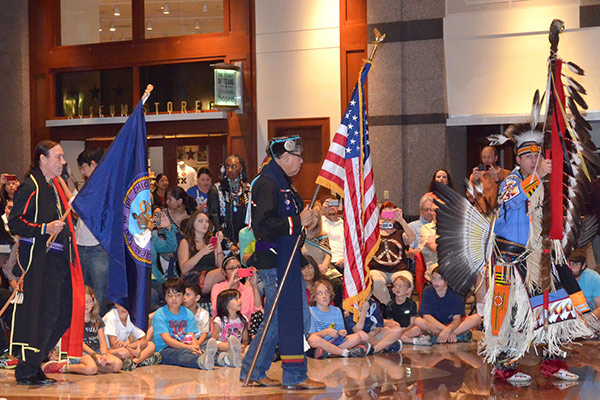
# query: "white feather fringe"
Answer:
x=516 y=332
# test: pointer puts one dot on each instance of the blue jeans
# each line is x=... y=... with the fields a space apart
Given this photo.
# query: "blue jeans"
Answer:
x=292 y=374
x=94 y=266
x=179 y=357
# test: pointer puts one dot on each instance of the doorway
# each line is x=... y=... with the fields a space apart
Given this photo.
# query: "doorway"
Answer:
x=315 y=140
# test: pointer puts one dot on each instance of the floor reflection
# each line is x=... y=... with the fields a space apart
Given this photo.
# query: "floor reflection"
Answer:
x=438 y=372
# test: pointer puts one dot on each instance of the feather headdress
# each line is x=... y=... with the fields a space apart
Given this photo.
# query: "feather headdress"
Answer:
x=523 y=134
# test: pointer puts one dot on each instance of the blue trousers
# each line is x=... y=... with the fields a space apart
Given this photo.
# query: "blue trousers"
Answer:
x=94 y=266
x=179 y=357
x=293 y=374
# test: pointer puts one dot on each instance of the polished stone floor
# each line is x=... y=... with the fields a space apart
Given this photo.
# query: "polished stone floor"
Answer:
x=437 y=372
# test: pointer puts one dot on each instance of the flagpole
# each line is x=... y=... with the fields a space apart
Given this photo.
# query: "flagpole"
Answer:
x=147 y=92
x=376 y=42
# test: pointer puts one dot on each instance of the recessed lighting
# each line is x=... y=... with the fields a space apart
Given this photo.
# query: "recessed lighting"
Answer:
x=149 y=25
x=116 y=11
x=165 y=9
x=100 y=28
x=197 y=24
x=112 y=27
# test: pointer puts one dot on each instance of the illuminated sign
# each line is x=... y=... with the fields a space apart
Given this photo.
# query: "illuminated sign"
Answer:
x=228 y=87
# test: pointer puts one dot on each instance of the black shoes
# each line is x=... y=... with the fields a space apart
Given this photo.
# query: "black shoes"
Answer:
x=39 y=379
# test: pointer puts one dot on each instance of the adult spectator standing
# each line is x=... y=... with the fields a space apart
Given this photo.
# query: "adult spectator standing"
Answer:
x=589 y=280
x=45 y=314
x=333 y=225
x=442 y=176
x=94 y=259
x=490 y=175
x=277 y=218
x=159 y=195
x=200 y=191
x=228 y=201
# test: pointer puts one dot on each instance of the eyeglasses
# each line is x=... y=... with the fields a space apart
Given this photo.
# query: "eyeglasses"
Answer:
x=232 y=268
x=325 y=293
x=300 y=156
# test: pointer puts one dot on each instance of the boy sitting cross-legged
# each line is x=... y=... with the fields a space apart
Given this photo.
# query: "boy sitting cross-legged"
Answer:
x=442 y=311
x=384 y=336
x=327 y=333
x=119 y=330
x=191 y=298
x=403 y=310
x=175 y=331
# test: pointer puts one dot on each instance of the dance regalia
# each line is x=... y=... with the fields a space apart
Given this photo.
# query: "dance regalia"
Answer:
x=533 y=297
x=53 y=294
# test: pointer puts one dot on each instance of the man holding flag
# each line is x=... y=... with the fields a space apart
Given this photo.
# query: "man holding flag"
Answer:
x=348 y=171
x=276 y=218
x=115 y=205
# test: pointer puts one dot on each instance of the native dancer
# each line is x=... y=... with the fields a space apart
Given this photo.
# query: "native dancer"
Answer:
x=533 y=297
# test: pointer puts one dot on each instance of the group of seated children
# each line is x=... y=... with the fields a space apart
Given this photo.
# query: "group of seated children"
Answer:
x=107 y=343
x=441 y=319
x=182 y=335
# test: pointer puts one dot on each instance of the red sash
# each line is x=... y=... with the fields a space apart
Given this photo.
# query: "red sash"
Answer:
x=72 y=340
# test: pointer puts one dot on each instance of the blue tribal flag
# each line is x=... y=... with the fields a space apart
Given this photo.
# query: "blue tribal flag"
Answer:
x=115 y=205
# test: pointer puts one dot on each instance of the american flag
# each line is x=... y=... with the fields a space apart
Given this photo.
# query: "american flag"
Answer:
x=347 y=170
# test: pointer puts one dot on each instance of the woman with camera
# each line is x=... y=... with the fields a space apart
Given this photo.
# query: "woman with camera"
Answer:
x=390 y=258
x=200 y=250
x=234 y=275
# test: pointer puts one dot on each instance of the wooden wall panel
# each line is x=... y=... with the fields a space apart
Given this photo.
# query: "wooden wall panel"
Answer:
x=353 y=45
x=47 y=58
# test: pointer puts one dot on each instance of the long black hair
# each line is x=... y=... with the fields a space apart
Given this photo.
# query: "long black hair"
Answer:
x=243 y=173
x=223 y=300
x=44 y=148
x=179 y=194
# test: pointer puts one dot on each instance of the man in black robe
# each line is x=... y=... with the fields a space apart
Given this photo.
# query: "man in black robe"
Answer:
x=45 y=314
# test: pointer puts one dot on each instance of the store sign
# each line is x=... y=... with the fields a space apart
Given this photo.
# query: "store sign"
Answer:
x=228 y=87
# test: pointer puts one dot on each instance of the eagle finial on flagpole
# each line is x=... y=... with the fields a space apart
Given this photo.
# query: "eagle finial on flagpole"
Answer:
x=147 y=92
x=376 y=42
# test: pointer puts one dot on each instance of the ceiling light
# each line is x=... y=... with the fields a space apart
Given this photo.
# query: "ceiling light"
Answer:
x=112 y=27
x=165 y=9
x=149 y=25
x=205 y=8
x=100 y=28
x=116 y=11
x=197 y=24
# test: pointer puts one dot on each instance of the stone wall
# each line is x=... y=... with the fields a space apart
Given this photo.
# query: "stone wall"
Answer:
x=14 y=88
x=407 y=102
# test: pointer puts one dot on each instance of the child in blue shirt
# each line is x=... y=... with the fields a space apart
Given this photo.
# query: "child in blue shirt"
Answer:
x=175 y=331
x=327 y=334
x=442 y=311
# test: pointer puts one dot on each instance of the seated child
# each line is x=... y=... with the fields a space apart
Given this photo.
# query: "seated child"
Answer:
x=327 y=334
x=175 y=331
x=118 y=329
x=383 y=335
x=190 y=301
x=441 y=312
x=230 y=328
x=96 y=356
x=404 y=311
